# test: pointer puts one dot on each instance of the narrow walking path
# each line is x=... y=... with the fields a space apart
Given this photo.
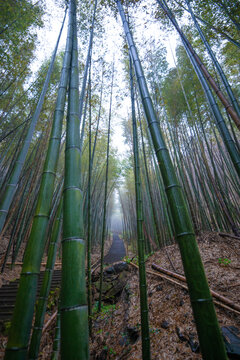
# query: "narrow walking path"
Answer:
x=8 y=294
x=116 y=252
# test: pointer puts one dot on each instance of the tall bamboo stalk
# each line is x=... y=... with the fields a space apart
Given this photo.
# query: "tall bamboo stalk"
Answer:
x=56 y=341
x=228 y=141
x=223 y=6
x=105 y=197
x=45 y=288
x=24 y=308
x=140 y=237
x=200 y=65
x=88 y=59
x=13 y=181
x=210 y=26
x=89 y=233
x=215 y=61
x=210 y=337
x=73 y=300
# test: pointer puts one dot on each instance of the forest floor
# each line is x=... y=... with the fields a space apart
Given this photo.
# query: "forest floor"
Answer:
x=116 y=330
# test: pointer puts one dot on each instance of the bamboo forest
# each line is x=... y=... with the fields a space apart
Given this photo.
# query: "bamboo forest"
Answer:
x=119 y=179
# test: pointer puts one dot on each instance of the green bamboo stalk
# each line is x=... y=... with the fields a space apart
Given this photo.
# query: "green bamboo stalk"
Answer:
x=23 y=312
x=45 y=288
x=210 y=337
x=215 y=61
x=208 y=25
x=200 y=65
x=13 y=181
x=105 y=197
x=149 y=190
x=56 y=341
x=88 y=59
x=223 y=6
x=140 y=237
x=89 y=233
x=20 y=214
x=73 y=300
x=228 y=141
x=9 y=156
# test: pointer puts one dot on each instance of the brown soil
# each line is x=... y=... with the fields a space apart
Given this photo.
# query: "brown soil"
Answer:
x=169 y=306
x=170 y=313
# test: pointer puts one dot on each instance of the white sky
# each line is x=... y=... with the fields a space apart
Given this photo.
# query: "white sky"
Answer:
x=47 y=38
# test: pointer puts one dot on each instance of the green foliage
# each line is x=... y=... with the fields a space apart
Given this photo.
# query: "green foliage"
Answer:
x=154 y=331
x=105 y=309
x=19 y=21
x=224 y=261
x=53 y=299
x=7 y=326
x=127 y=259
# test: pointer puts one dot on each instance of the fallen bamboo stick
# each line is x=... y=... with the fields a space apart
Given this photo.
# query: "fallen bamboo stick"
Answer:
x=185 y=287
x=214 y=293
x=229 y=235
x=48 y=323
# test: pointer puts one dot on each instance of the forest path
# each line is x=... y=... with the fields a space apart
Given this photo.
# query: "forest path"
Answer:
x=8 y=294
x=116 y=252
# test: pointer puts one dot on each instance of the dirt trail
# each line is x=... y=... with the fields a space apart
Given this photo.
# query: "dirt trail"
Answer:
x=116 y=252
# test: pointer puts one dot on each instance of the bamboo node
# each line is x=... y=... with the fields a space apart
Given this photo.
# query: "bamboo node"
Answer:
x=15 y=348
x=59 y=109
x=49 y=172
x=74 y=239
x=26 y=273
x=72 y=308
x=71 y=187
x=202 y=300
x=184 y=233
x=72 y=146
x=161 y=147
x=55 y=138
x=172 y=186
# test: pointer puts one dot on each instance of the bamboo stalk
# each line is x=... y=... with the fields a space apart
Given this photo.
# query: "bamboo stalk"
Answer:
x=23 y=313
x=216 y=63
x=14 y=179
x=229 y=108
x=56 y=341
x=89 y=232
x=105 y=195
x=211 y=341
x=73 y=300
x=228 y=141
x=140 y=233
x=46 y=284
